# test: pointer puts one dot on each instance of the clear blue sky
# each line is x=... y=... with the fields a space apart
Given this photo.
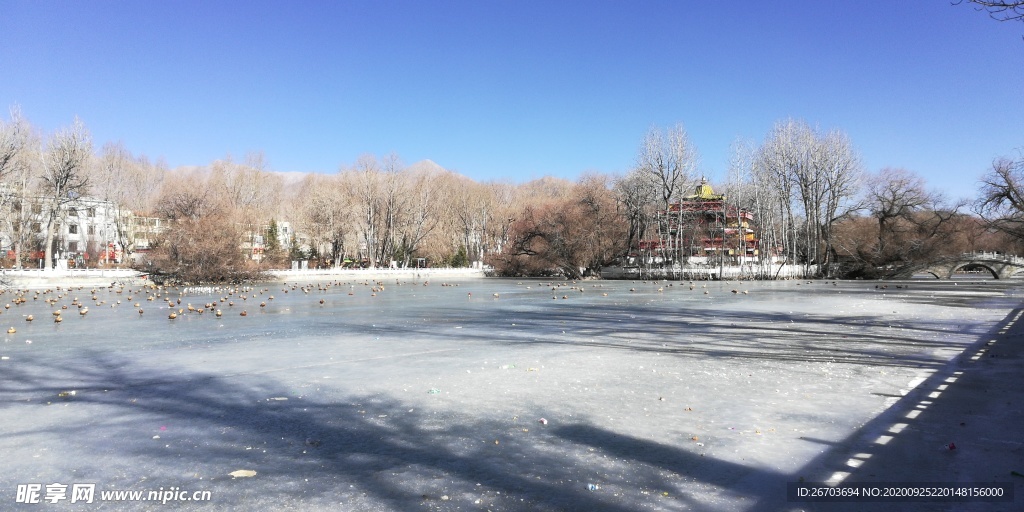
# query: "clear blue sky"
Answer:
x=518 y=89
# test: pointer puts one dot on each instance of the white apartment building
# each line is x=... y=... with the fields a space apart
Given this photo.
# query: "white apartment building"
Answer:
x=92 y=232
x=86 y=231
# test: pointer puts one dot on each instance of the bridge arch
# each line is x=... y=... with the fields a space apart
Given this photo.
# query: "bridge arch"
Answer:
x=973 y=264
x=1001 y=266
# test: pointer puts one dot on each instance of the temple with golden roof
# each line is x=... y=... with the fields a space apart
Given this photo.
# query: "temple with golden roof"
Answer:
x=703 y=225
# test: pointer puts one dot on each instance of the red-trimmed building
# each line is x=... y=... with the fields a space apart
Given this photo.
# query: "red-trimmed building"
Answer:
x=703 y=225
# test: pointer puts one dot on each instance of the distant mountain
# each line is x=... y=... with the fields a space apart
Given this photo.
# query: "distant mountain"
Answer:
x=291 y=177
x=426 y=166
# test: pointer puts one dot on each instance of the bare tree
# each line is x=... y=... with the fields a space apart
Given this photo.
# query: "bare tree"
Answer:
x=203 y=243
x=770 y=203
x=250 y=195
x=892 y=195
x=779 y=162
x=636 y=197
x=65 y=175
x=135 y=195
x=127 y=185
x=189 y=196
x=444 y=241
x=248 y=189
x=14 y=141
x=474 y=207
x=363 y=183
x=668 y=161
x=1001 y=10
x=602 y=224
x=505 y=199
x=422 y=212
x=1001 y=203
x=576 y=233
x=741 y=197
x=816 y=176
x=391 y=200
x=200 y=250
x=326 y=215
x=841 y=174
x=19 y=152
x=905 y=223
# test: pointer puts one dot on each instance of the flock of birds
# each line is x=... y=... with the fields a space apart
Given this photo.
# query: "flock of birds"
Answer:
x=573 y=286
x=70 y=299
x=65 y=299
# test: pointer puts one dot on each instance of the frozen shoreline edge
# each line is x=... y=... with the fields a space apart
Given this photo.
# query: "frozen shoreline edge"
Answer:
x=378 y=273
x=41 y=279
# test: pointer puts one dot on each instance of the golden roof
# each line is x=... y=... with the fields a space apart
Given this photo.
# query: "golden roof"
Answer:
x=704 y=191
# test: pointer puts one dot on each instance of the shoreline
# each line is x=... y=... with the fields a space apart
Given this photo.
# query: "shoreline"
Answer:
x=31 y=279
x=377 y=273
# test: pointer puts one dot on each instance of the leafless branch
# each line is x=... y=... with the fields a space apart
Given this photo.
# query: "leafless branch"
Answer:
x=1000 y=10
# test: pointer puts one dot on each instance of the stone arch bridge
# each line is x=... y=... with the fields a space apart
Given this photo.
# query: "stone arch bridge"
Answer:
x=1002 y=266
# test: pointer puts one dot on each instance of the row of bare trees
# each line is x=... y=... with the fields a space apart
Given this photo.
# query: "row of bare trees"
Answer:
x=43 y=179
x=48 y=174
x=375 y=212
x=380 y=213
x=799 y=183
x=813 y=204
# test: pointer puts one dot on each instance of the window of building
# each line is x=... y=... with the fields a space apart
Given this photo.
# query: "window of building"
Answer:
x=37 y=208
x=73 y=229
x=72 y=246
x=91 y=230
x=36 y=227
x=92 y=212
x=17 y=206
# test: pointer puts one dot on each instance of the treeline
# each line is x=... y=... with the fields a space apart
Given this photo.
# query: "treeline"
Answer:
x=813 y=205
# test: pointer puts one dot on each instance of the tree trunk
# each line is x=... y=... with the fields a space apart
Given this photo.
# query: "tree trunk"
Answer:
x=48 y=248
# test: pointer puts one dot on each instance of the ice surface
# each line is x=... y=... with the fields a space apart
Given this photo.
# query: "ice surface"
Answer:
x=429 y=395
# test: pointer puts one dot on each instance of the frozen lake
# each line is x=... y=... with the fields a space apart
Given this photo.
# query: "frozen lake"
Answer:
x=430 y=396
